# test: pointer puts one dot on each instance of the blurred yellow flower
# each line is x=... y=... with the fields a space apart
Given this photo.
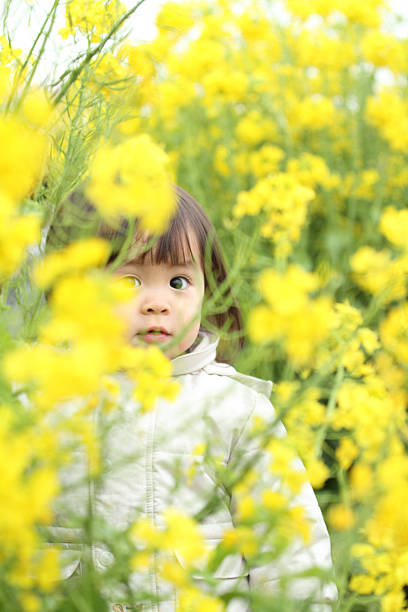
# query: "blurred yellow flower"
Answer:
x=77 y=256
x=394 y=226
x=341 y=517
x=37 y=108
x=17 y=232
x=132 y=179
x=22 y=161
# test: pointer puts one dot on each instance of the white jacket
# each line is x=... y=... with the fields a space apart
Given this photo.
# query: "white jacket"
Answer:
x=216 y=405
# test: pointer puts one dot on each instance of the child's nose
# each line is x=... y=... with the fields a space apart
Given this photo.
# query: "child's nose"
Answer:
x=155 y=305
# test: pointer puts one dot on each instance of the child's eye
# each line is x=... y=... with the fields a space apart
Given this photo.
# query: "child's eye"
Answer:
x=131 y=281
x=179 y=282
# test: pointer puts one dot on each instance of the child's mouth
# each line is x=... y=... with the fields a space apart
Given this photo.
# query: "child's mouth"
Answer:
x=155 y=334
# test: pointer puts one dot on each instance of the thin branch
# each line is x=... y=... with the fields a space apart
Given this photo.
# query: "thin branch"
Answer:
x=90 y=54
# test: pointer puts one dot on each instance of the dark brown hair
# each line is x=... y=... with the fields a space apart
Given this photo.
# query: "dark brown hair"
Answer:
x=77 y=217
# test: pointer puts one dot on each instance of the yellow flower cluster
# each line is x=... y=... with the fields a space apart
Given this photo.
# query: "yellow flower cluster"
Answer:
x=384 y=50
x=367 y=14
x=312 y=171
x=361 y=185
x=22 y=161
x=132 y=179
x=383 y=557
x=9 y=57
x=17 y=232
x=313 y=113
x=254 y=128
x=22 y=164
x=290 y=315
x=394 y=226
x=305 y=414
x=284 y=200
x=29 y=486
x=91 y=18
x=314 y=47
x=180 y=537
x=378 y=414
x=193 y=600
x=85 y=339
x=379 y=272
x=80 y=255
x=389 y=114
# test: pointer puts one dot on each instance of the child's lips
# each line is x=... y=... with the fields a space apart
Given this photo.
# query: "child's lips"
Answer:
x=154 y=334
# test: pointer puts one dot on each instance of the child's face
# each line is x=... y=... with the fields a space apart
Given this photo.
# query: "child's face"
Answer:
x=168 y=297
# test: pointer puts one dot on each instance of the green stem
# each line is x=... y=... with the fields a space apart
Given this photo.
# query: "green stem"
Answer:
x=52 y=15
x=330 y=409
x=92 y=52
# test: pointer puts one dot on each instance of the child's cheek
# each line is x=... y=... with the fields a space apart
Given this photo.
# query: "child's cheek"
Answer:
x=125 y=312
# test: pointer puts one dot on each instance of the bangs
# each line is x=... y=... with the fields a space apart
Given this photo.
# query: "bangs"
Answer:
x=173 y=247
x=181 y=244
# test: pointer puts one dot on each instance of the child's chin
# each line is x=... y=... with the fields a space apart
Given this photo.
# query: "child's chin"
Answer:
x=139 y=341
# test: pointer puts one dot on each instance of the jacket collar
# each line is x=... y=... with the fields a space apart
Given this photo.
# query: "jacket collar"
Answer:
x=203 y=354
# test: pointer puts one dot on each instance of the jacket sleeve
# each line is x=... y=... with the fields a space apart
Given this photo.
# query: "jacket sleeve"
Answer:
x=298 y=557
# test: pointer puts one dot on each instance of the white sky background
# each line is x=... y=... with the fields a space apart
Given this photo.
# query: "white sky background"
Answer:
x=25 y=25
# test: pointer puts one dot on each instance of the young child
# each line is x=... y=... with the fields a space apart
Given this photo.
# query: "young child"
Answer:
x=214 y=413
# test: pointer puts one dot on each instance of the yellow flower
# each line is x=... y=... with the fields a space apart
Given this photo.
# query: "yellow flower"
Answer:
x=79 y=255
x=369 y=339
x=131 y=179
x=91 y=17
x=183 y=536
x=265 y=160
x=191 y=599
x=17 y=232
x=202 y=56
x=311 y=170
x=361 y=480
x=22 y=162
x=37 y=108
x=394 y=601
x=314 y=113
x=346 y=452
x=388 y=112
x=225 y=85
x=30 y=602
x=145 y=533
x=284 y=201
x=242 y=539
x=362 y=583
x=175 y=573
x=317 y=473
x=341 y=517
x=394 y=226
x=175 y=17
x=298 y=523
x=394 y=332
x=220 y=160
x=314 y=47
x=273 y=500
x=254 y=128
x=376 y=272
x=285 y=315
x=366 y=14
x=384 y=50
x=48 y=569
x=246 y=507
x=26 y=473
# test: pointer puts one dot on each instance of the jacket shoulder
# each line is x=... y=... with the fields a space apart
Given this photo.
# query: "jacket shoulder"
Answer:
x=264 y=387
